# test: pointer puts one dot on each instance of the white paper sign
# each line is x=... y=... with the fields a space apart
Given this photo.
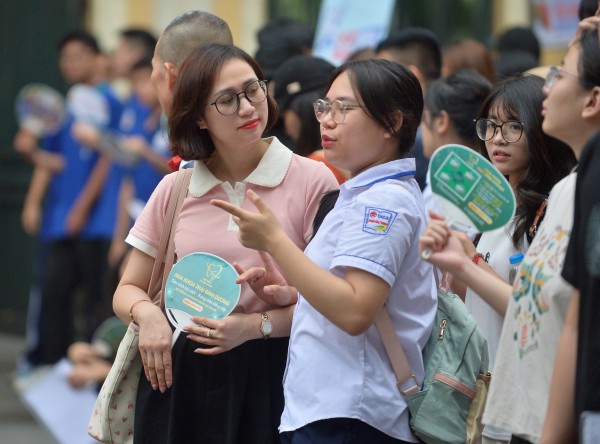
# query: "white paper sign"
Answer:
x=65 y=411
x=345 y=26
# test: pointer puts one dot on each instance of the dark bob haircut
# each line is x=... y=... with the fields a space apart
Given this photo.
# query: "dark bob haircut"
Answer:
x=384 y=88
x=191 y=97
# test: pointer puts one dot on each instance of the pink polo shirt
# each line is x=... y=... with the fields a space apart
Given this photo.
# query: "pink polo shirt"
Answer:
x=292 y=186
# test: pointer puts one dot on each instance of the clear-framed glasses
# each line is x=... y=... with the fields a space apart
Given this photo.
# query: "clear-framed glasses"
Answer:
x=555 y=73
x=511 y=130
x=228 y=103
x=337 y=108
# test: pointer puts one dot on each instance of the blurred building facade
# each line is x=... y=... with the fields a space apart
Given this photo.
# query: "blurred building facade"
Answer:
x=30 y=30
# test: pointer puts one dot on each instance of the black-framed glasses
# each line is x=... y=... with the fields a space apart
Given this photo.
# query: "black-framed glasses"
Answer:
x=337 y=108
x=511 y=130
x=228 y=103
x=555 y=73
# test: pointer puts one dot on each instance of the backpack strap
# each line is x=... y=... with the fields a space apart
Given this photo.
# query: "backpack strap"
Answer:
x=395 y=353
x=394 y=348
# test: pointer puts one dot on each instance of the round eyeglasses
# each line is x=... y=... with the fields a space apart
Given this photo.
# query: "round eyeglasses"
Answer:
x=228 y=103
x=511 y=130
x=337 y=107
x=554 y=74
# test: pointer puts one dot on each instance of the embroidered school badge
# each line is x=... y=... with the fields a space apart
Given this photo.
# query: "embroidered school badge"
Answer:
x=378 y=220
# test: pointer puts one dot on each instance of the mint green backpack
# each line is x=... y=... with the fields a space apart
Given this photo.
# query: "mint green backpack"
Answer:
x=455 y=357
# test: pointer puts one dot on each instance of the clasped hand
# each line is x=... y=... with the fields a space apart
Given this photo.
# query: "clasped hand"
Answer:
x=220 y=335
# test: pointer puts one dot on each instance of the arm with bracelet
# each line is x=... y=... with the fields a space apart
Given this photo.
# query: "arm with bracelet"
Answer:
x=130 y=299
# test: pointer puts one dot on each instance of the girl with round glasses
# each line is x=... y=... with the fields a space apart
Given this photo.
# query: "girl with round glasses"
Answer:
x=510 y=136
x=339 y=386
x=542 y=302
x=221 y=381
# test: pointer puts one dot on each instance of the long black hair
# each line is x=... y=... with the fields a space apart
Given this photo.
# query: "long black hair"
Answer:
x=520 y=98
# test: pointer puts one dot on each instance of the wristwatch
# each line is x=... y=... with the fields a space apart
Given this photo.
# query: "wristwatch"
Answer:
x=266 y=327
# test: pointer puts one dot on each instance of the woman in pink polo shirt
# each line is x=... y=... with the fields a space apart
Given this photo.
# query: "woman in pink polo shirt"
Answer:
x=218 y=384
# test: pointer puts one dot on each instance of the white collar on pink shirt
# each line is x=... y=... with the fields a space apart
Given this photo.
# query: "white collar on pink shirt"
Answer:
x=270 y=172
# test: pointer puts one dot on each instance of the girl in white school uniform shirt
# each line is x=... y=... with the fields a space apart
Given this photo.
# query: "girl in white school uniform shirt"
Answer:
x=339 y=385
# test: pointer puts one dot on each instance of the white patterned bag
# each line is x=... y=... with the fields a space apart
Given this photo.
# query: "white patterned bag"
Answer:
x=114 y=413
x=113 y=417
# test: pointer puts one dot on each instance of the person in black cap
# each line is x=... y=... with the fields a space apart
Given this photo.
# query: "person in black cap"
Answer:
x=518 y=51
x=514 y=63
x=279 y=40
x=297 y=84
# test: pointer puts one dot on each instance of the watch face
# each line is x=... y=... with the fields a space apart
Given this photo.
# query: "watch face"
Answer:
x=267 y=328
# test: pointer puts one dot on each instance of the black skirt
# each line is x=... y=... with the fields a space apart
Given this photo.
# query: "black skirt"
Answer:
x=230 y=398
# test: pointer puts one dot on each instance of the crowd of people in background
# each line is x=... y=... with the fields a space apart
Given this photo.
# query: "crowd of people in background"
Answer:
x=312 y=147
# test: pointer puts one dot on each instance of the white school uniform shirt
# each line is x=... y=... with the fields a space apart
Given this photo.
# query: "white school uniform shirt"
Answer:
x=429 y=200
x=374 y=226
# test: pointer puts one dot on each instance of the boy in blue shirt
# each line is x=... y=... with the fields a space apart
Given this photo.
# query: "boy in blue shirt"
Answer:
x=77 y=222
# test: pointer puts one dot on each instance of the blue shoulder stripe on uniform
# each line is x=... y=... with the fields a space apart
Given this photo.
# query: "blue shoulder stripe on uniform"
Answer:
x=393 y=176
